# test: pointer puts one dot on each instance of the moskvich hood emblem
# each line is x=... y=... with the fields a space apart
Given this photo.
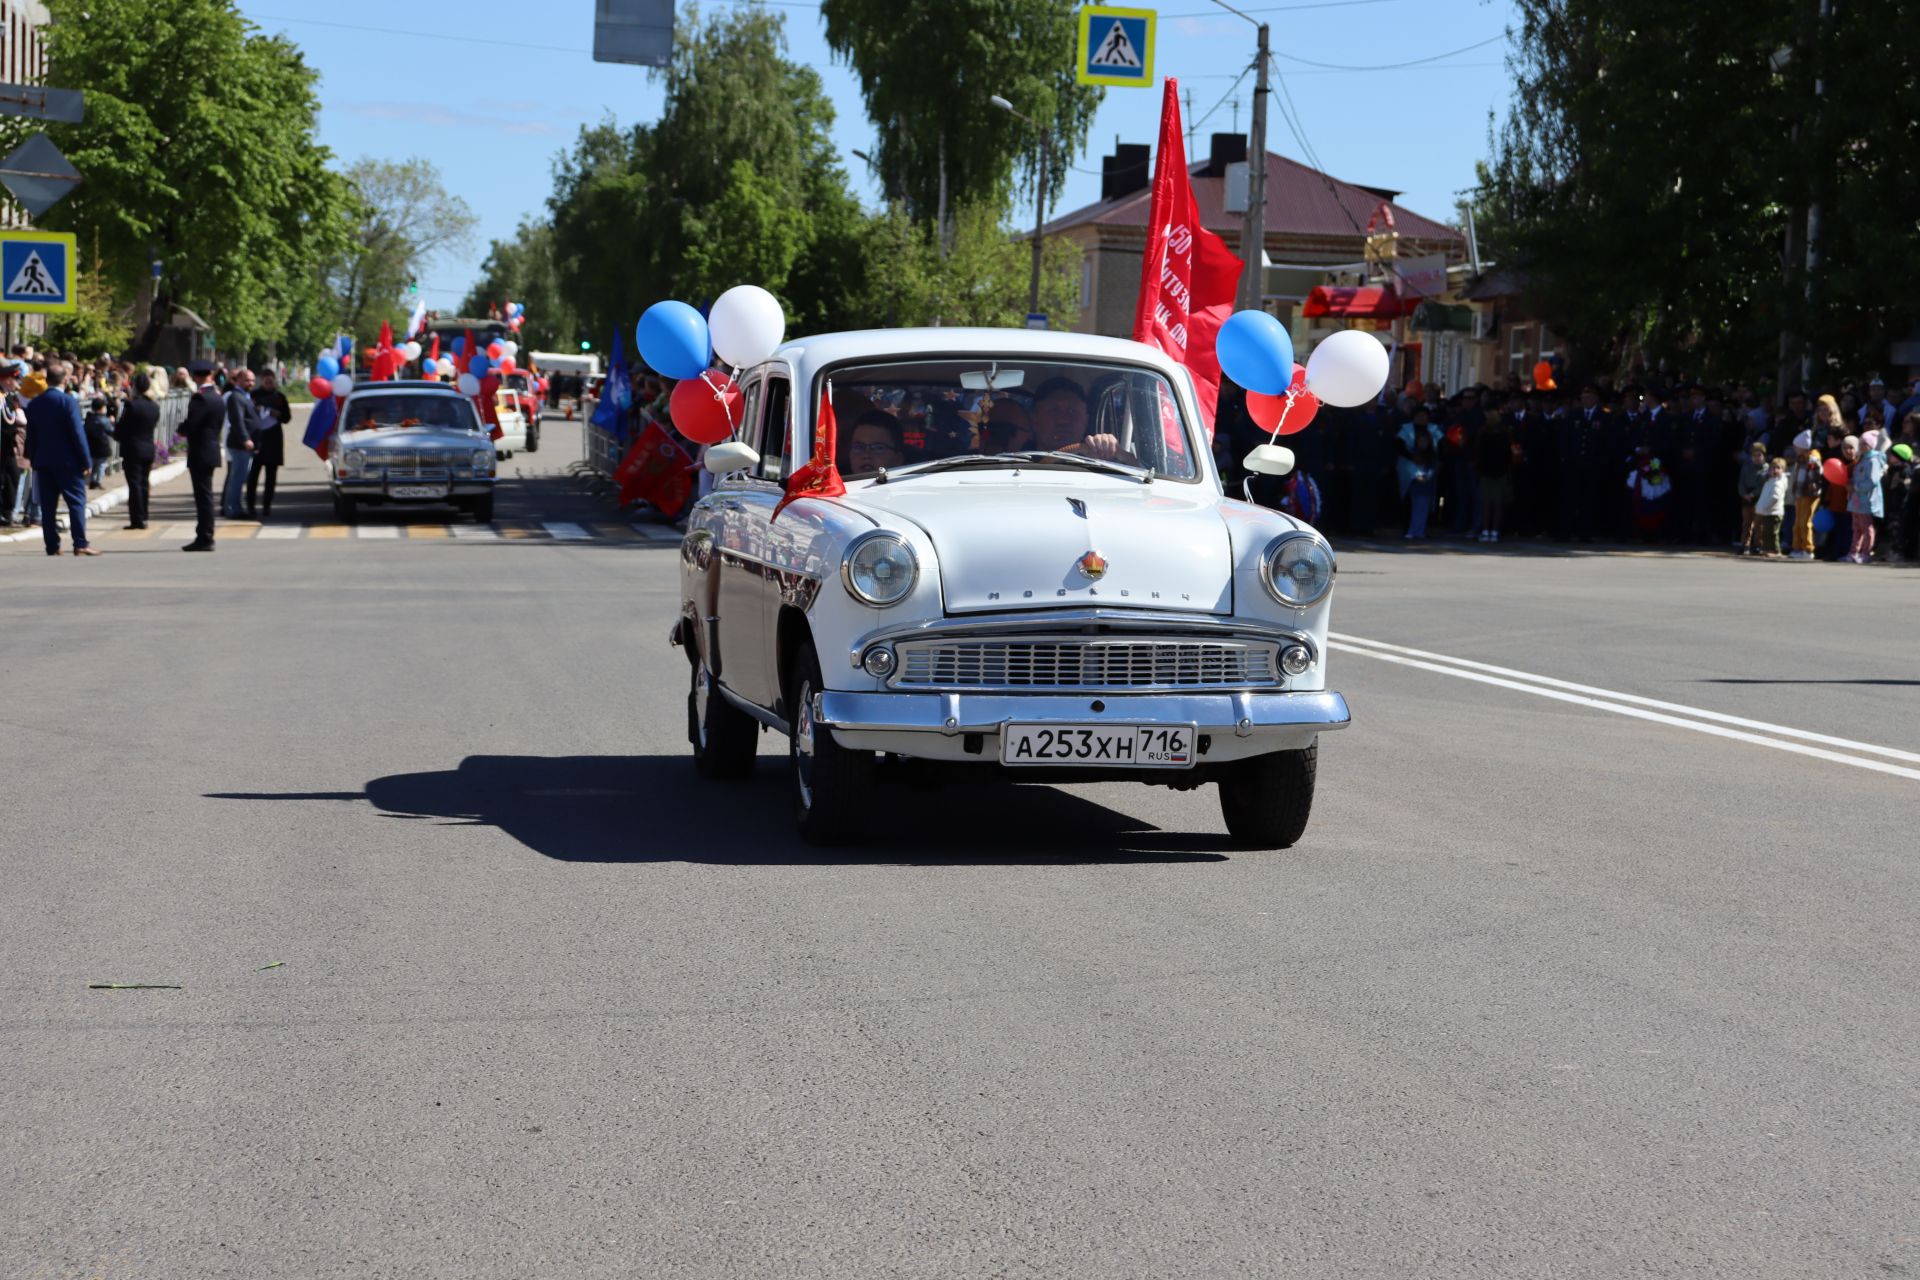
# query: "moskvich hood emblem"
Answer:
x=1092 y=565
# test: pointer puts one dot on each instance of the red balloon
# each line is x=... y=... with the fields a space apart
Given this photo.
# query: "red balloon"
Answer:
x=1834 y=470
x=495 y=351
x=1285 y=414
x=706 y=409
x=321 y=389
x=506 y=364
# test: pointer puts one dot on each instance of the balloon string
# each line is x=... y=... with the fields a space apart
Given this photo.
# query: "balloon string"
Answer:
x=733 y=428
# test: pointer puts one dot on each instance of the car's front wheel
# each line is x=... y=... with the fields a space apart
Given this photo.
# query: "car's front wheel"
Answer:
x=1266 y=799
x=482 y=509
x=724 y=737
x=829 y=781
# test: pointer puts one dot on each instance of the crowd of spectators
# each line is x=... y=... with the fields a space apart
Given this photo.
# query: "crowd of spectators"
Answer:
x=1831 y=476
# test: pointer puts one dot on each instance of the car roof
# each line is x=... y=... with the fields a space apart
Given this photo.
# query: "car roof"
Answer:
x=812 y=353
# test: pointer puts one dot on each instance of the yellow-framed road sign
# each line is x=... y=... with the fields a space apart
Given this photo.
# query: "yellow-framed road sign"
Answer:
x=36 y=271
x=1115 y=47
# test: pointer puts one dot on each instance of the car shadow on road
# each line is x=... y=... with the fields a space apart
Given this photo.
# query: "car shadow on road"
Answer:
x=656 y=809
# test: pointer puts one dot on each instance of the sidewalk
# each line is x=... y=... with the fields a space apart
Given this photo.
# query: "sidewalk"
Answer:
x=107 y=501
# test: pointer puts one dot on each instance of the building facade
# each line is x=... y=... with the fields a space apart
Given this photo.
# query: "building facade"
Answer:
x=23 y=60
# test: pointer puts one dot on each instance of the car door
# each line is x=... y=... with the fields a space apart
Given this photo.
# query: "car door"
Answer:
x=743 y=568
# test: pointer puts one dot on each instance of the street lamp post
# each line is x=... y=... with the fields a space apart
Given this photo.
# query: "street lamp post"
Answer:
x=1039 y=199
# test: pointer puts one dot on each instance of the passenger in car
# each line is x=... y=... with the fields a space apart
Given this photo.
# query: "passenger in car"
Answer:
x=874 y=443
x=1060 y=423
x=1009 y=427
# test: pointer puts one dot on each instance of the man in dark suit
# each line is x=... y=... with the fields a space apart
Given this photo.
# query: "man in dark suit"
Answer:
x=205 y=424
x=57 y=448
x=135 y=432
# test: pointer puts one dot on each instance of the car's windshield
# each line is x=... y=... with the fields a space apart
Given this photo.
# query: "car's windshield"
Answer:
x=895 y=414
x=371 y=413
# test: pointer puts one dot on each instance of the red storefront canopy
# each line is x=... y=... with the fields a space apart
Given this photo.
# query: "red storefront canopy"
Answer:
x=1369 y=302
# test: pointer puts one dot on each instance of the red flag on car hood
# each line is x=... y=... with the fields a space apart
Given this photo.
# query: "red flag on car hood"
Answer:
x=820 y=477
x=1188 y=276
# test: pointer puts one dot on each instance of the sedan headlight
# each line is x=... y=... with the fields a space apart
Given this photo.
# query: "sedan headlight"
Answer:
x=879 y=569
x=483 y=459
x=1297 y=569
x=353 y=460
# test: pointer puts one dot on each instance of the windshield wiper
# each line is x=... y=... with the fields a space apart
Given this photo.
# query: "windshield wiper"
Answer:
x=1138 y=474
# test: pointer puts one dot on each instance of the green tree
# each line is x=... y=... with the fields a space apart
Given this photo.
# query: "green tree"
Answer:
x=1653 y=176
x=199 y=151
x=737 y=183
x=95 y=324
x=980 y=278
x=927 y=71
x=523 y=270
x=403 y=215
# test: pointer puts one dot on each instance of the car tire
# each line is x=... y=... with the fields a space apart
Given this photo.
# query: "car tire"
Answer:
x=533 y=439
x=345 y=509
x=482 y=509
x=1267 y=799
x=724 y=738
x=830 y=782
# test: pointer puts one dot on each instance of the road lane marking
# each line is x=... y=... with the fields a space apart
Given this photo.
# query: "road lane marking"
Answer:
x=280 y=531
x=566 y=531
x=1614 y=695
x=327 y=531
x=1638 y=713
x=475 y=533
x=427 y=531
x=377 y=531
x=182 y=531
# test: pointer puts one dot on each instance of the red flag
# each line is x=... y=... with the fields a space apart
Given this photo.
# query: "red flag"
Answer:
x=657 y=469
x=386 y=361
x=435 y=353
x=1188 y=277
x=490 y=405
x=820 y=477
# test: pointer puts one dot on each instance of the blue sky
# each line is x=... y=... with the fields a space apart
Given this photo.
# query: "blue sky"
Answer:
x=493 y=95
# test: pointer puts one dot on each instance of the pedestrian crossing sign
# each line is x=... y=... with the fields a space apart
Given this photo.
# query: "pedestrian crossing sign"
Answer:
x=1116 y=47
x=36 y=271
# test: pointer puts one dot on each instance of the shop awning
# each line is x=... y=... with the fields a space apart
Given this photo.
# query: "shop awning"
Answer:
x=1367 y=302
x=1439 y=316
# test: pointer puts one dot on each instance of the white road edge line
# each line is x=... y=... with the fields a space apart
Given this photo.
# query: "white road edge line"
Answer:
x=1699 y=713
x=1778 y=744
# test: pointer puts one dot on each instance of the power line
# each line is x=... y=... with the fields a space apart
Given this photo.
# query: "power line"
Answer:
x=1393 y=66
x=1223 y=99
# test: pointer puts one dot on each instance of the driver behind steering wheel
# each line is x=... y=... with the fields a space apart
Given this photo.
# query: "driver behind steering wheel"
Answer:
x=1060 y=423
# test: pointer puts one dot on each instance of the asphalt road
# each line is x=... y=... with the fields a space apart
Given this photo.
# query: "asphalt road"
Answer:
x=1549 y=989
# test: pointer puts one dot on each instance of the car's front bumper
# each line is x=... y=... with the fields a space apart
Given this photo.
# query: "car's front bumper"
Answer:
x=966 y=726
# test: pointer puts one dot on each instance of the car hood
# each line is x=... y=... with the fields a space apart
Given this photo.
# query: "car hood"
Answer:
x=1018 y=543
x=412 y=438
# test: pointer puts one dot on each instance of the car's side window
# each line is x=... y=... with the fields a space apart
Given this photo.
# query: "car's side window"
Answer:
x=776 y=435
x=750 y=409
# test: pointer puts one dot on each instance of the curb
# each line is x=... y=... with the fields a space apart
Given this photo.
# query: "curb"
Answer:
x=108 y=499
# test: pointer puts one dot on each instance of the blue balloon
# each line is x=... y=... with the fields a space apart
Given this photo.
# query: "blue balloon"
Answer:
x=673 y=340
x=478 y=366
x=326 y=367
x=1256 y=352
x=1822 y=523
x=346 y=345
x=428 y=368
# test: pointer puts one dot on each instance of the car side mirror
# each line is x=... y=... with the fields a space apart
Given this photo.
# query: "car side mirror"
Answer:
x=734 y=455
x=1269 y=460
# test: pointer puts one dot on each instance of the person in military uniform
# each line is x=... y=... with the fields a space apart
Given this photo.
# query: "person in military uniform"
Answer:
x=203 y=429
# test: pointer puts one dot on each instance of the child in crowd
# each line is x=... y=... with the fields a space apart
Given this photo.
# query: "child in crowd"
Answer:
x=1648 y=489
x=1753 y=474
x=1864 y=500
x=1769 y=507
x=1806 y=490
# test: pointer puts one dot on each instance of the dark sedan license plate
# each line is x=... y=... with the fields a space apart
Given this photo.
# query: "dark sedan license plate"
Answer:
x=417 y=491
x=1124 y=746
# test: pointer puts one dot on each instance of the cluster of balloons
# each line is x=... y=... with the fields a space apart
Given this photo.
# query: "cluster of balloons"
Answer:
x=743 y=328
x=328 y=379
x=1348 y=368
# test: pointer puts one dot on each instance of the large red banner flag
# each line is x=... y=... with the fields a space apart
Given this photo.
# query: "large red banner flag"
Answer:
x=1188 y=277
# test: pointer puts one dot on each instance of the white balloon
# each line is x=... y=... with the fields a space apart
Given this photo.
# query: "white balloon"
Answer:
x=342 y=383
x=411 y=350
x=509 y=348
x=746 y=324
x=1347 y=369
x=467 y=385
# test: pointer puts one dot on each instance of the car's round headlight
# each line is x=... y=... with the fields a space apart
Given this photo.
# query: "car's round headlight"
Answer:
x=879 y=569
x=1297 y=569
x=483 y=459
x=354 y=459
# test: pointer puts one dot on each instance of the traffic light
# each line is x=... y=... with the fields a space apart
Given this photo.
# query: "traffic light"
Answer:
x=585 y=345
x=413 y=287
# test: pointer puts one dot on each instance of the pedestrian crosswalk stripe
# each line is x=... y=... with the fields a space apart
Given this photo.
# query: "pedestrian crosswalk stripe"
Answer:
x=426 y=531
x=181 y=531
x=475 y=532
x=379 y=531
x=566 y=531
x=280 y=531
x=327 y=531
x=520 y=531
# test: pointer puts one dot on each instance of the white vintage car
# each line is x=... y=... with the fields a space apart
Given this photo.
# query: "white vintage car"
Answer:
x=1034 y=570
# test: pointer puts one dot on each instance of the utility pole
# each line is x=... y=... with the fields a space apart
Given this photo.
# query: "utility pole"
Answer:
x=1253 y=238
x=1039 y=198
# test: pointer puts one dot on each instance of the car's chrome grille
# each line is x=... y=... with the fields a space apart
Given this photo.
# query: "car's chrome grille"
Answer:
x=1087 y=663
x=415 y=463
